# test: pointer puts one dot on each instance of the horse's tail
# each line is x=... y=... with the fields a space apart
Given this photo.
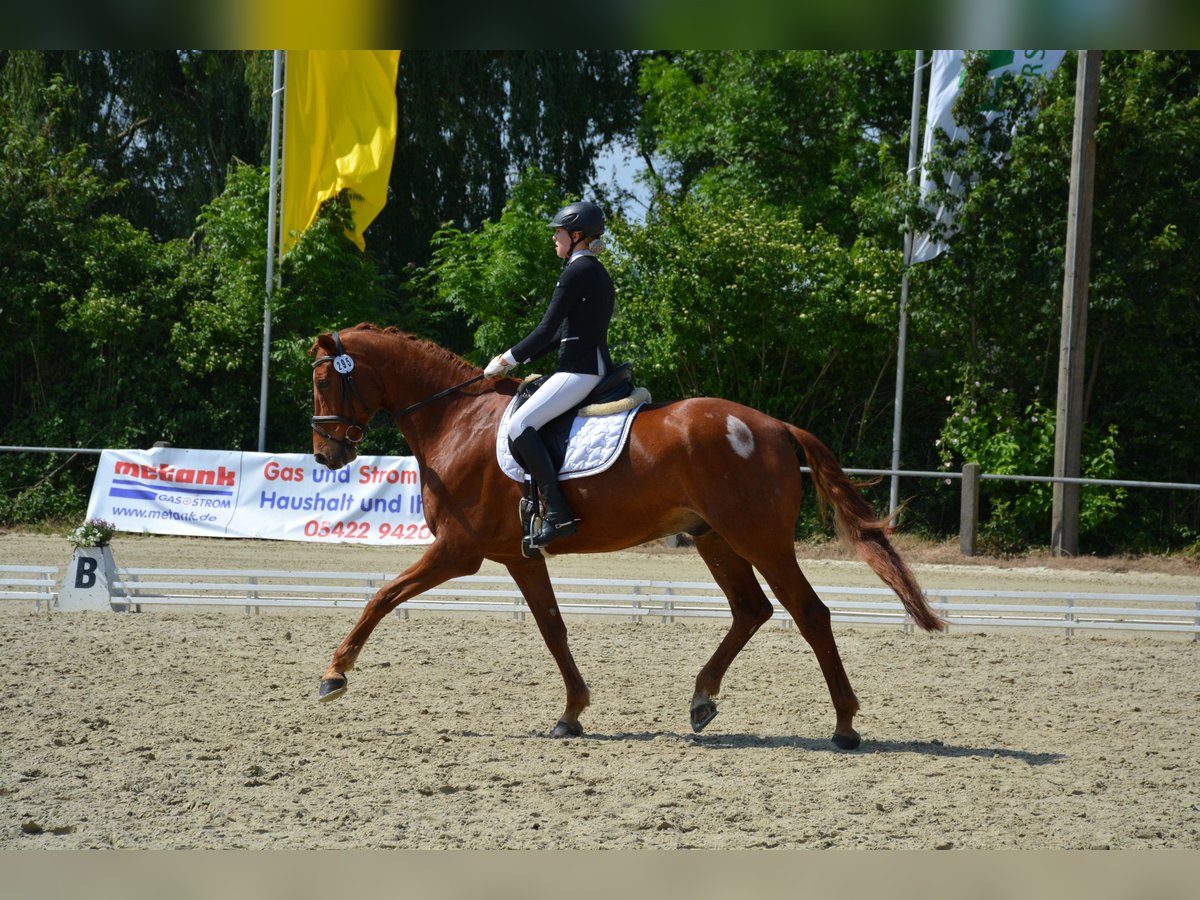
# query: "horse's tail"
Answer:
x=859 y=527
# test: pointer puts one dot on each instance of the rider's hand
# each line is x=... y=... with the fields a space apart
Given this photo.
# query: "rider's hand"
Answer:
x=499 y=366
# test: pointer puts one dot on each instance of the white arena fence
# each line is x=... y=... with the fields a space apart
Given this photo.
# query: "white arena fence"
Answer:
x=36 y=583
x=637 y=599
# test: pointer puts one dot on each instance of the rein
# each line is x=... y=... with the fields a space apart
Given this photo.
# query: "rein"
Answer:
x=438 y=396
x=343 y=364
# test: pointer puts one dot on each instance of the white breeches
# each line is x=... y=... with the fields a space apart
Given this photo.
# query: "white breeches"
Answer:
x=561 y=392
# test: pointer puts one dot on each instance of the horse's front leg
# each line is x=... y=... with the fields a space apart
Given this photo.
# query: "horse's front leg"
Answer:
x=439 y=563
x=534 y=581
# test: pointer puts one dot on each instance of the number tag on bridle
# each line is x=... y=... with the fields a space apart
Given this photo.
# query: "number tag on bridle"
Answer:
x=343 y=364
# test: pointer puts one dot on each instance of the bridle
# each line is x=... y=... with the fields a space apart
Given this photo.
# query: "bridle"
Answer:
x=343 y=364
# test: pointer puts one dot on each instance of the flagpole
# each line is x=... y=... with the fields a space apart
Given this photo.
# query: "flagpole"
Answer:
x=902 y=339
x=276 y=93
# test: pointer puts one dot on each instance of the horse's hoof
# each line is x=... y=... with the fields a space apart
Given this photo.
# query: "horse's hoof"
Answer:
x=332 y=688
x=702 y=714
x=566 y=729
x=846 y=741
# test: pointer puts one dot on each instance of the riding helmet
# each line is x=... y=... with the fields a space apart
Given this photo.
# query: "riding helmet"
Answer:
x=580 y=216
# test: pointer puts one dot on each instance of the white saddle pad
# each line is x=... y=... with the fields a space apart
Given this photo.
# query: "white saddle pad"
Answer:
x=594 y=444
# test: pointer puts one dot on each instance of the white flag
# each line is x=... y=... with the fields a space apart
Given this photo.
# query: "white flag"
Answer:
x=945 y=80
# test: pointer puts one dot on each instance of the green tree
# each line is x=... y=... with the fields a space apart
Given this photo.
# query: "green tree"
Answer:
x=126 y=340
x=768 y=268
x=86 y=292
x=817 y=133
x=992 y=302
x=1144 y=308
x=88 y=299
x=499 y=277
x=470 y=124
x=325 y=284
x=166 y=122
x=989 y=305
x=747 y=303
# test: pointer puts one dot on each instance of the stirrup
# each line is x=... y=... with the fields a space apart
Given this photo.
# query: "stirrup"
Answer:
x=552 y=532
x=529 y=512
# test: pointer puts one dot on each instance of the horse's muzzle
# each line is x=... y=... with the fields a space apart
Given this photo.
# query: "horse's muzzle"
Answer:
x=335 y=455
x=337 y=451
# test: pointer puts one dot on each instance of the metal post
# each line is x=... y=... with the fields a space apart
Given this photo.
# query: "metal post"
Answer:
x=276 y=94
x=902 y=339
x=1068 y=428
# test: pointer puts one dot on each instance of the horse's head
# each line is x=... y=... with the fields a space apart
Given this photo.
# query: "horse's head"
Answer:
x=344 y=400
x=361 y=370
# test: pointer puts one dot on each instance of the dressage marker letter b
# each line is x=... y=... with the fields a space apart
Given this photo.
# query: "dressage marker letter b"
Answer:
x=88 y=580
x=85 y=572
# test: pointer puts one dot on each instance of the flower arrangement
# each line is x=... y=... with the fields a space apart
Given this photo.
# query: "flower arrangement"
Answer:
x=92 y=533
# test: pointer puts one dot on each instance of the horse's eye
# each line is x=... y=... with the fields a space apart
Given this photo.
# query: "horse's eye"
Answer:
x=322 y=383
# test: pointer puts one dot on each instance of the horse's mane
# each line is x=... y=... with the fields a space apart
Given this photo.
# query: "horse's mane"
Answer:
x=419 y=345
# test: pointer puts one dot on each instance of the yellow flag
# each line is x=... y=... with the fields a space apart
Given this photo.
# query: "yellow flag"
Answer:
x=339 y=132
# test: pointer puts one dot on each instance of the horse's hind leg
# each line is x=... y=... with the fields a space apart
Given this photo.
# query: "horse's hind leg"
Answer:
x=750 y=608
x=534 y=582
x=792 y=590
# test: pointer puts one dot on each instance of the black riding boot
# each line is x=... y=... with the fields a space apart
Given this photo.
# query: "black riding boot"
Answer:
x=559 y=521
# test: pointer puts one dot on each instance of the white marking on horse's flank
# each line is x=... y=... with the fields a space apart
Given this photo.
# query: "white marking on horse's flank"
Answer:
x=740 y=437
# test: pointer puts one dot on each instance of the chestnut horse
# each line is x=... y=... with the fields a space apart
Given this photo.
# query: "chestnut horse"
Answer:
x=723 y=473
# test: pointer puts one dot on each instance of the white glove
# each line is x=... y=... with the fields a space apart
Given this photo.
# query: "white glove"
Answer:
x=500 y=365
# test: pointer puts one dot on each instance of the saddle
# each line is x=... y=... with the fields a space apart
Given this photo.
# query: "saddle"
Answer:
x=616 y=386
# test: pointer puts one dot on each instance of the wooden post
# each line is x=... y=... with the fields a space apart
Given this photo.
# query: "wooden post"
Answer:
x=1068 y=428
x=968 y=517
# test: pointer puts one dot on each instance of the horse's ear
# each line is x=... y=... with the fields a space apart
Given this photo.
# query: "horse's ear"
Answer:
x=323 y=343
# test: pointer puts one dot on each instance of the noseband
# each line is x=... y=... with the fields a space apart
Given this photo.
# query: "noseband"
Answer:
x=343 y=364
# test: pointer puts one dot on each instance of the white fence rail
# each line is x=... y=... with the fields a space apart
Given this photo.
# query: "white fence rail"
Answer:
x=666 y=601
x=661 y=600
x=36 y=583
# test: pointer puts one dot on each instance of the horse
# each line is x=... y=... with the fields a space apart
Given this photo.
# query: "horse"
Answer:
x=725 y=474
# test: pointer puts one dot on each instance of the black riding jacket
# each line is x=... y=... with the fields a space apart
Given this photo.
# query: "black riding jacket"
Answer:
x=576 y=320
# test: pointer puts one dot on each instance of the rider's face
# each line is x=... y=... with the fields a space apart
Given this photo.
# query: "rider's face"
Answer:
x=562 y=243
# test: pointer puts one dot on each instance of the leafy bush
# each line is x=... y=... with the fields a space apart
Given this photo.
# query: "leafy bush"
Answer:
x=989 y=426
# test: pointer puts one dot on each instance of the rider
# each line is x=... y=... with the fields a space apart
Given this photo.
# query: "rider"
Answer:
x=576 y=322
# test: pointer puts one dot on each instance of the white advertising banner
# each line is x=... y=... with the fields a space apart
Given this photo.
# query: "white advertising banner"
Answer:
x=278 y=496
